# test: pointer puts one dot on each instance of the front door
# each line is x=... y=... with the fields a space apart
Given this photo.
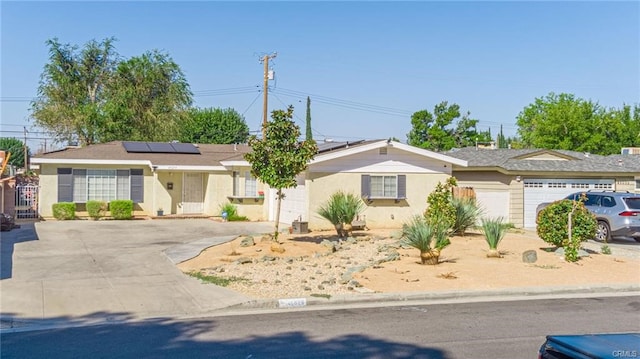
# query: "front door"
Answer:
x=192 y=193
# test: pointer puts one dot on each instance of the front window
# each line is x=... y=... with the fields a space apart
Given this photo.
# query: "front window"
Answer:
x=250 y=185
x=384 y=186
x=100 y=185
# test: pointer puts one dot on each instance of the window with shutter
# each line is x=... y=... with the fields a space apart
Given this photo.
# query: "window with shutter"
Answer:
x=137 y=185
x=65 y=185
x=365 y=186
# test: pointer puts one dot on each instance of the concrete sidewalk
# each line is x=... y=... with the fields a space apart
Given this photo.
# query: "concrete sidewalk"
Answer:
x=101 y=271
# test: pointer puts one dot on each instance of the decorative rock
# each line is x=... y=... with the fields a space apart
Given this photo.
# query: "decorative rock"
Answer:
x=268 y=258
x=320 y=286
x=277 y=247
x=244 y=260
x=247 y=242
x=530 y=256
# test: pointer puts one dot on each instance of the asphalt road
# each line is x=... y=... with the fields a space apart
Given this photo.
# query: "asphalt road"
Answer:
x=513 y=329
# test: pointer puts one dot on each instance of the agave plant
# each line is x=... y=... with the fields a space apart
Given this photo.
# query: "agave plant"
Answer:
x=467 y=214
x=341 y=209
x=429 y=238
x=494 y=230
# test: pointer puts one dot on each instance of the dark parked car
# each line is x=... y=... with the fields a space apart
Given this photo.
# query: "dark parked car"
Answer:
x=618 y=213
x=591 y=346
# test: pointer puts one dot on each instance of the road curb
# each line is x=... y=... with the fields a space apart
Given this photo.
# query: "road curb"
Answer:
x=387 y=298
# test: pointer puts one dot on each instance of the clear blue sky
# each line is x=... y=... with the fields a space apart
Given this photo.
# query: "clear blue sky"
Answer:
x=367 y=66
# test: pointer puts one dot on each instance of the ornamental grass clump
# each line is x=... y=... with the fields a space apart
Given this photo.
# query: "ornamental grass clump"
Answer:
x=341 y=209
x=430 y=238
x=467 y=214
x=494 y=230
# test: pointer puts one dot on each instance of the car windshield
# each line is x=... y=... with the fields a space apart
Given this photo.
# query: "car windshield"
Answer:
x=633 y=202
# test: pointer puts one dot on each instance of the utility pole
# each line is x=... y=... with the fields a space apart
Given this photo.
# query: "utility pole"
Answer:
x=26 y=157
x=265 y=61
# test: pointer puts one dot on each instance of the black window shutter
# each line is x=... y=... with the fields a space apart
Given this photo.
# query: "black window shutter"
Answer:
x=365 y=186
x=65 y=185
x=137 y=185
x=402 y=186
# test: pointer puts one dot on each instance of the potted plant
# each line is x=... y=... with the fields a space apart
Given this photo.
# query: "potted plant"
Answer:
x=160 y=212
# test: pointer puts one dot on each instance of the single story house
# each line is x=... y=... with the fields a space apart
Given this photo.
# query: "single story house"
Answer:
x=393 y=178
x=510 y=183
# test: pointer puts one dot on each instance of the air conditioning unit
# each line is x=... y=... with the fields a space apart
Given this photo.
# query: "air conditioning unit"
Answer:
x=630 y=151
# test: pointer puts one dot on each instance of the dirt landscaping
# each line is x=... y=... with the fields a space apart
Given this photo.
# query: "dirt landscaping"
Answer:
x=373 y=261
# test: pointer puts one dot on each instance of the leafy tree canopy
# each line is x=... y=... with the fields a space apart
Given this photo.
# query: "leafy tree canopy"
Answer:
x=91 y=95
x=16 y=148
x=279 y=157
x=434 y=131
x=564 y=122
x=214 y=125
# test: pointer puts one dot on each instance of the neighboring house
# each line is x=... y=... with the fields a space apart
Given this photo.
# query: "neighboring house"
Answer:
x=511 y=183
x=393 y=178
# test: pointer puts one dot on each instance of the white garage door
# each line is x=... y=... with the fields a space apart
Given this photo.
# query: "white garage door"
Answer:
x=294 y=204
x=494 y=204
x=539 y=190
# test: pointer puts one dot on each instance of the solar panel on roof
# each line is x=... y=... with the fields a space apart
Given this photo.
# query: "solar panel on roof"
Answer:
x=160 y=147
x=136 y=147
x=185 y=148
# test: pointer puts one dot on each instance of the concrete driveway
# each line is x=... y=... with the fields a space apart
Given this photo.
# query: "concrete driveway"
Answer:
x=111 y=270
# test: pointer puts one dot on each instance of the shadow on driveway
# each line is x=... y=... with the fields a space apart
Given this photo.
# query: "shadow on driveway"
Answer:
x=8 y=240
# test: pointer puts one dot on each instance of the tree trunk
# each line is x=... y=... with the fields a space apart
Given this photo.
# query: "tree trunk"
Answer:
x=279 y=195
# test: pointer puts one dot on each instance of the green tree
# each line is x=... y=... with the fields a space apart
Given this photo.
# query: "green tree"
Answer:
x=432 y=131
x=562 y=121
x=16 y=148
x=214 y=125
x=148 y=99
x=309 y=134
x=279 y=157
x=502 y=141
x=71 y=91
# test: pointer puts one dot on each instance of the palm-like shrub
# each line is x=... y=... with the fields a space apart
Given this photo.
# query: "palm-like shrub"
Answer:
x=494 y=230
x=429 y=237
x=467 y=214
x=341 y=209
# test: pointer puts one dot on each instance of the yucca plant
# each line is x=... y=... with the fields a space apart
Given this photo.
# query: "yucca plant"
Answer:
x=467 y=214
x=428 y=238
x=494 y=230
x=341 y=209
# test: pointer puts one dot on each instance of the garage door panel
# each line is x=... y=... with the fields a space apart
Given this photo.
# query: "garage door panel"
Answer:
x=543 y=190
x=494 y=204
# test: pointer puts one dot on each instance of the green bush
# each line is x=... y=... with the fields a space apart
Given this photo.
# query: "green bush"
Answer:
x=440 y=209
x=121 y=209
x=64 y=210
x=97 y=209
x=341 y=209
x=553 y=226
x=467 y=214
x=232 y=213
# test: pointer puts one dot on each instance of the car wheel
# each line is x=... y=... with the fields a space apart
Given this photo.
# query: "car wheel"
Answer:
x=603 y=234
x=637 y=239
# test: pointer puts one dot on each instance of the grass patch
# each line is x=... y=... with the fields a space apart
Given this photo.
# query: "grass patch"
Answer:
x=321 y=295
x=212 y=279
x=605 y=249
